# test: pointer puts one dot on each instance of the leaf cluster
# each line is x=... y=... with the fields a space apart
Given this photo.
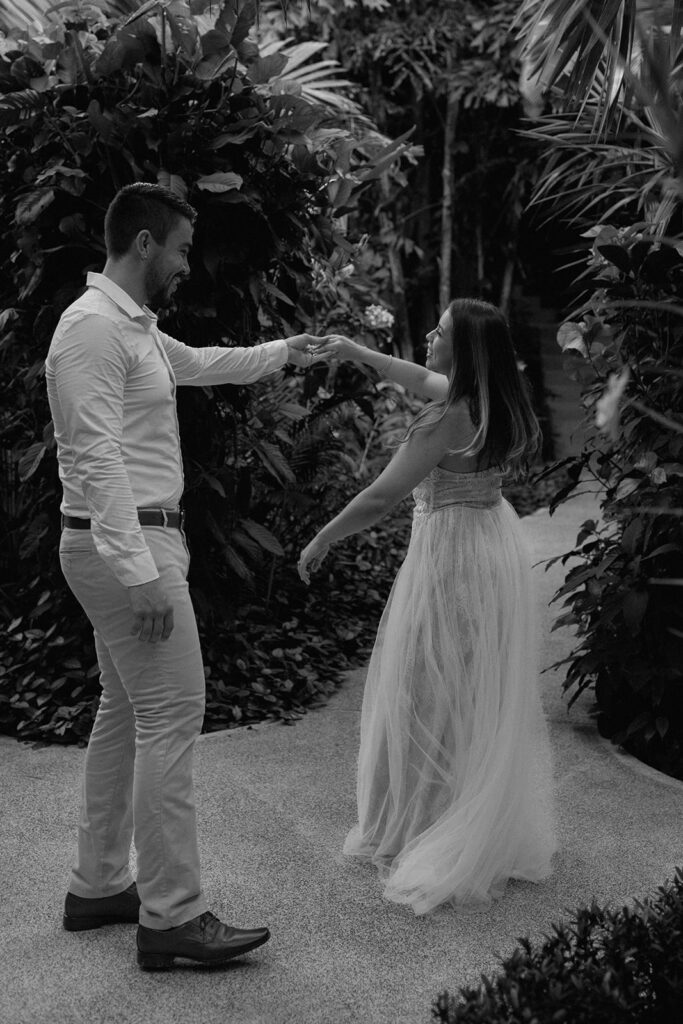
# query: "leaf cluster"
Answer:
x=620 y=966
x=612 y=75
x=434 y=48
x=622 y=592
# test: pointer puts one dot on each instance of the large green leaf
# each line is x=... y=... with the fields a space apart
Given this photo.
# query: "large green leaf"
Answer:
x=242 y=17
x=183 y=27
x=130 y=45
x=30 y=206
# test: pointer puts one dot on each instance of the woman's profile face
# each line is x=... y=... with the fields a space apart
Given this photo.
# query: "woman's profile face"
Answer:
x=440 y=346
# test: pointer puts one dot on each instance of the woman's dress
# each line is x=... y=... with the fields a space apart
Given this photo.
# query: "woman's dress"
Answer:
x=454 y=771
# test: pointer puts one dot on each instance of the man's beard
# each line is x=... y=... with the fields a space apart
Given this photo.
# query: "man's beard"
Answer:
x=159 y=294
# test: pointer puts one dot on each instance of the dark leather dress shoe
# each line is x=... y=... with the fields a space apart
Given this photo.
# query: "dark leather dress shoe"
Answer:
x=81 y=913
x=204 y=938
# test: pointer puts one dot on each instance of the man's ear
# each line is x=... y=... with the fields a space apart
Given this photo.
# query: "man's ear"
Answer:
x=143 y=244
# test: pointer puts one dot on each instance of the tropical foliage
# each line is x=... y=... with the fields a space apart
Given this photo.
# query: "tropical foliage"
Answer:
x=618 y=966
x=623 y=590
x=625 y=342
x=302 y=225
x=612 y=140
x=186 y=99
x=449 y=71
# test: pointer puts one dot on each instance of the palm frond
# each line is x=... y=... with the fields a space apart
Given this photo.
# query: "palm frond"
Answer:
x=320 y=82
x=572 y=45
x=586 y=180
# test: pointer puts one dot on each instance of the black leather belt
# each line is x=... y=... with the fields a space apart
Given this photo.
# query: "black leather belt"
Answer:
x=146 y=517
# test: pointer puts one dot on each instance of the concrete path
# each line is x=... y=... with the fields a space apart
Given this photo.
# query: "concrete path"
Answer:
x=274 y=805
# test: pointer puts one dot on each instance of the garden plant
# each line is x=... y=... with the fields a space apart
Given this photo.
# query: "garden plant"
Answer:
x=299 y=228
x=612 y=144
x=620 y=966
x=184 y=97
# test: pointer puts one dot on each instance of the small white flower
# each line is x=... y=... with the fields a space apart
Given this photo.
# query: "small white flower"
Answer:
x=378 y=317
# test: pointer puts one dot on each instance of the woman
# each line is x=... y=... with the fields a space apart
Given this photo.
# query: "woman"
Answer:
x=454 y=772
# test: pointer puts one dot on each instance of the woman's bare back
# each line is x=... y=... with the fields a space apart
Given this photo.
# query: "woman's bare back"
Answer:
x=463 y=433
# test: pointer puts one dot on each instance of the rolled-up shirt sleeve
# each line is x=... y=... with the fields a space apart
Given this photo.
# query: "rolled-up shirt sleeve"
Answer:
x=214 y=365
x=90 y=371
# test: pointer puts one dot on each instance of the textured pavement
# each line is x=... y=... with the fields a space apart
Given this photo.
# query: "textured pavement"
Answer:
x=274 y=805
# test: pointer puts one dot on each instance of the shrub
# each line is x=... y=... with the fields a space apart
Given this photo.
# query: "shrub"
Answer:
x=622 y=592
x=615 y=967
x=87 y=106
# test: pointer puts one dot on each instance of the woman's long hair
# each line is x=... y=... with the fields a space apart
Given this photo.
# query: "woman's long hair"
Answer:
x=485 y=374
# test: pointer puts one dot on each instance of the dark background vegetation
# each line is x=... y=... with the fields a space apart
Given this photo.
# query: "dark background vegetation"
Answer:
x=311 y=213
x=616 y=966
x=263 y=465
x=401 y=176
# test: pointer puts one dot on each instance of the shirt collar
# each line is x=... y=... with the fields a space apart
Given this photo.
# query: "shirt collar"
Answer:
x=122 y=299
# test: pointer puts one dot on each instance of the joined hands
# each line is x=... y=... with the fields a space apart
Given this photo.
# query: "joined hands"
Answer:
x=307 y=349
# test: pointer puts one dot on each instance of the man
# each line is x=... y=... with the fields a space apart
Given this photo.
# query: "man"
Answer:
x=111 y=380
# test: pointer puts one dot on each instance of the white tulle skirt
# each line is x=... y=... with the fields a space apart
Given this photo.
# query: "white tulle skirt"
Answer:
x=454 y=770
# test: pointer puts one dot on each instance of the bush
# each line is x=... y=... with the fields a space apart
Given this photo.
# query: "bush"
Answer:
x=623 y=593
x=87 y=106
x=606 y=966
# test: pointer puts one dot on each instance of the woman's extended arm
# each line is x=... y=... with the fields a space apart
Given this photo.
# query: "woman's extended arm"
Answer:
x=409 y=375
x=414 y=460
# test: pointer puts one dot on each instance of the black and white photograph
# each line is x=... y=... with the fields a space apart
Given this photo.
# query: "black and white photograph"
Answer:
x=341 y=511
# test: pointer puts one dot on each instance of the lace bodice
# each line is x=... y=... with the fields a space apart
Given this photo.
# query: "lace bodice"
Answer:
x=443 y=488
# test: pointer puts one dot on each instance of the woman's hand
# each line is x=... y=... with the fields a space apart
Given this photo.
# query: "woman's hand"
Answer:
x=311 y=558
x=340 y=347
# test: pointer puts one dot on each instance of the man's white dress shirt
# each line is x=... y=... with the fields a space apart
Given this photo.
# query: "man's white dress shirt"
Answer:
x=111 y=380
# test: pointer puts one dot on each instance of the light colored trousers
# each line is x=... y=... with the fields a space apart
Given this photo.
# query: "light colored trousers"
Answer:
x=138 y=769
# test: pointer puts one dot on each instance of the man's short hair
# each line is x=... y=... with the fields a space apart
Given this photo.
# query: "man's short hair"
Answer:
x=143 y=207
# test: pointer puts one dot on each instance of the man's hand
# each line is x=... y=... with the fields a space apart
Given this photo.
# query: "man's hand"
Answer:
x=302 y=349
x=152 y=610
